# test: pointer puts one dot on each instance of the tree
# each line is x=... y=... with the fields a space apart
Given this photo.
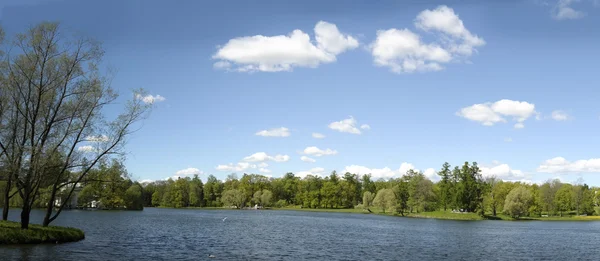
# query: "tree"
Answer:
x=266 y=198
x=57 y=97
x=234 y=197
x=564 y=198
x=196 y=192
x=368 y=199
x=517 y=202
x=133 y=197
x=402 y=196
x=445 y=185
x=384 y=199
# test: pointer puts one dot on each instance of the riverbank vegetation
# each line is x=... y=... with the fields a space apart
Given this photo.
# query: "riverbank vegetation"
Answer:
x=53 y=130
x=461 y=193
x=11 y=233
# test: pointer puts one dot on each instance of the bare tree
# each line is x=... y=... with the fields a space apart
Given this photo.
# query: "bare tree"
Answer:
x=57 y=100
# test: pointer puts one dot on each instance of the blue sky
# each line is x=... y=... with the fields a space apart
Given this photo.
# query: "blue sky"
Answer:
x=509 y=84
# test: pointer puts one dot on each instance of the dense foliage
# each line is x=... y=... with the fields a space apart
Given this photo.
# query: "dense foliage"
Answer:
x=462 y=189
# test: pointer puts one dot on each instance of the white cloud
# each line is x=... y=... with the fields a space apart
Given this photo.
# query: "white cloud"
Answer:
x=276 y=132
x=403 y=51
x=284 y=52
x=263 y=165
x=262 y=156
x=331 y=40
x=101 y=138
x=405 y=167
x=263 y=170
x=385 y=173
x=307 y=159
x=145 y=181
x=431 y=174
x=365 y=127
x=240 y=166
x=318 y=171
x=502 y=171
x=319 y=152
x=348 y=126
x=149 y=99
x=86 y=148
x=489 y=114
x=564 y=11
x=189 y=172
x=318 y=135
x=559 y=115
x=561 y=165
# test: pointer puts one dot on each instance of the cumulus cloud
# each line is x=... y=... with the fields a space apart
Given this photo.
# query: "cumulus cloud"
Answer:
x=386 y=172
x=561 y=165
x=559 y=115
x=502 y=171
x=276 y=132
x=318 y=135
x=263 y=165
x=284 y=52
x=489 y=114
x=189 y=172
x=403 y=51
x=431 y=174
x=150 y=99
x=263 y=170
x=318 y=171
x=563 y=10
x=240 y=166
x=262 y=156
x=348 y=126
x=307 y=159
x=314 y=151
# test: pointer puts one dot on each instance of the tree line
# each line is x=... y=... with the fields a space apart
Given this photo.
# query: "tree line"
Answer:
x=461 y=189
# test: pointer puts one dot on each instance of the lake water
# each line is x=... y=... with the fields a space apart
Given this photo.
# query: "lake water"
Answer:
x=171 y=234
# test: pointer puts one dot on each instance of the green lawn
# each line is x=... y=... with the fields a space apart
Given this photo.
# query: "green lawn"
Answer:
x=11 y=233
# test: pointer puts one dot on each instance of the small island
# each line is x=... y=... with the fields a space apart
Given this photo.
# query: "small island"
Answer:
x=11 y=233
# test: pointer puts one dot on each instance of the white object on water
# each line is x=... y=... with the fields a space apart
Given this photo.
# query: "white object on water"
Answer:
x=224 y=219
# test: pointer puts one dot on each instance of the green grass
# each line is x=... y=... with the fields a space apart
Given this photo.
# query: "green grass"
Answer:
x=11 y=233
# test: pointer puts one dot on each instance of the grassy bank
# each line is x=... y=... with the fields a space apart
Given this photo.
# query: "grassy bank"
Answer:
x=449 y=215
x=11 y=233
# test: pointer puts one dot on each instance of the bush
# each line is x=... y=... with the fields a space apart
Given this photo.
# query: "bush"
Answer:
x=359 y=206
x=280 y=203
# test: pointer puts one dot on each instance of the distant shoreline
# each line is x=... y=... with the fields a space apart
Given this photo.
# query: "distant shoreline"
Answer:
x=442 y=215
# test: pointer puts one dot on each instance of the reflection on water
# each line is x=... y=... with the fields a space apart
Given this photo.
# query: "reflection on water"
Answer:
x=169 y=234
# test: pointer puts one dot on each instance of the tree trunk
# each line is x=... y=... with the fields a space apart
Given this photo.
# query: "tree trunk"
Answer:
x=25 y=216
x=494 y=211
x=7 y=198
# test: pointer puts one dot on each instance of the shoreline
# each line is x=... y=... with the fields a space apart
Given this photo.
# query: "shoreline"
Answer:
x=442 y=215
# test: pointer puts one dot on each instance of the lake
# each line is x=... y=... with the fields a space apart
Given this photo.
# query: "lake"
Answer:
x=190 y=234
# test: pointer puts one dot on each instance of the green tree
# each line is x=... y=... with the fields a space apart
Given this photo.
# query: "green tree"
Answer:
x=234 y=197
x=564 y=198
x=368 y=199
x=196 y=192
x=133 y=197
x=266 y=198
x=385 y=199
x=445 y=185
x=517 y=202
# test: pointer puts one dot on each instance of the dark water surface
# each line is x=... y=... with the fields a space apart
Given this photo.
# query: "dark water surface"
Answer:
x=170 y=234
